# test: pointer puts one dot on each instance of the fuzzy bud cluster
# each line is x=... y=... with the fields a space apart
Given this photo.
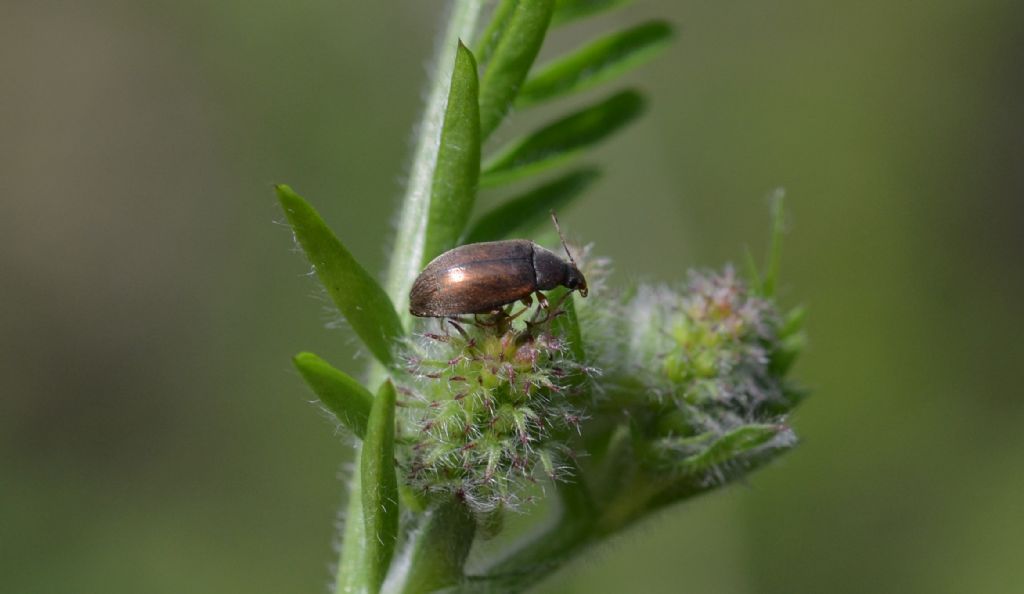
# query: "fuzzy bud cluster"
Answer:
x=485 y=405
x=705 y=355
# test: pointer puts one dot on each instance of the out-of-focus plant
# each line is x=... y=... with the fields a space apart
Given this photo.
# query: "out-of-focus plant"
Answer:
x=619 y=404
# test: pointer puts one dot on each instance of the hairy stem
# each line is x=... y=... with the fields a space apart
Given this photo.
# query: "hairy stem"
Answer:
x=579 y=526
x=434 y=552
x=407 y=254
x=410 y=235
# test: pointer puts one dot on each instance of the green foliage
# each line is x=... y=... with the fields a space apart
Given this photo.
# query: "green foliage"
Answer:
x=484 y=406
x=495 y=29
x=365 y=305
x=522 y=215
x=438 y=549
x=519 y=40
x=792 y=341
x=568 y=11
x=346 y=398
x=733 y=445
x=596 y=63
x=354 y=565
x=623 y=403
x=379 y=488
x=562 y=140
x=458 y=160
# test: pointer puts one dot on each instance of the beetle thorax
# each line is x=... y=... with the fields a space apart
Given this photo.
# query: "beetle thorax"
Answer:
x=551 y=270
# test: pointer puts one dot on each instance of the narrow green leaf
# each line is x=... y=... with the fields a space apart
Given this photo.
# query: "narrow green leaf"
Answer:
x=567 y=324
x=379 y=488
x=738 y=442
x=793 y=321
x=567 y=11
x=358 y=296
x=785 y=356
x=458 y=161
x=346 y=398
x=522 y=215
x=511 y=61
x=760 y=446
x=596 y=63
x=495 y=30
x=562 y=140
x=792 y=341
x=406 y=258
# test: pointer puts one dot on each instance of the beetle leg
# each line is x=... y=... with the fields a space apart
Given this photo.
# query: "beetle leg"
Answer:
x=551 y=310
x=542 y=299
x=485 y=323
x=458 y=328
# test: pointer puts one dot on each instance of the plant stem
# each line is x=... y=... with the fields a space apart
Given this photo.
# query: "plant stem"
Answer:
x=353 y=536
x=407 y=254
x=435 y=551
x=410 y=235
x=579 y=526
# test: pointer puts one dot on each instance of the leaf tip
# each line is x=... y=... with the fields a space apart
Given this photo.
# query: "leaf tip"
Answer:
x=661 y=28
x=304 y=358
x=286 y=196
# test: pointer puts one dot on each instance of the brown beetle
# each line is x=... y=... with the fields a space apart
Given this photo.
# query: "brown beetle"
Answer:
x=484 y=277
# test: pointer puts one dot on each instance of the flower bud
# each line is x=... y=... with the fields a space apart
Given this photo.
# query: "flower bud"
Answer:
x=486 y=402
x=705 y=356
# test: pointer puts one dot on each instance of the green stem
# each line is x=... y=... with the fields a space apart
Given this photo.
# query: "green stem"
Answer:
x=407 y=255
x=353 y=535
x=578 y=527
x=435 y=551
x=409 y=240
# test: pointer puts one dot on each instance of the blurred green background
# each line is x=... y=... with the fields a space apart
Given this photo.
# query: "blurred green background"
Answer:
x=153 y=437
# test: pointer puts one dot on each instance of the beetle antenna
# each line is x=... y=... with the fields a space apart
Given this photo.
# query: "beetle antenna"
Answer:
x=562 y=237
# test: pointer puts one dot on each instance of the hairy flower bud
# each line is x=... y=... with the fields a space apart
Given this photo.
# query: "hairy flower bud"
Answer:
x=705 y=355
x=485 y=404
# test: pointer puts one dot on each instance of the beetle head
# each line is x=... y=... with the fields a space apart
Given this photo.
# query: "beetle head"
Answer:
x=574 y=279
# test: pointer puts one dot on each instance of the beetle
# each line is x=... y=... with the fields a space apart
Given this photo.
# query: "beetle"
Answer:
x=484 y=277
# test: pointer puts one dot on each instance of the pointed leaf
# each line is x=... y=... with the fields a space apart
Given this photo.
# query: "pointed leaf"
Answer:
x=379 y=488
x=406 y=258
x=495 y=30
x=358 y=296
x=520 y=216
x=567 y=11
x=563 y=139
x=754 y=446
x=739 y=442
x=346 y=398
x=458 y=161
x=791 y=342
x=793 y=322
x=596 y=63
x=512 y=59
